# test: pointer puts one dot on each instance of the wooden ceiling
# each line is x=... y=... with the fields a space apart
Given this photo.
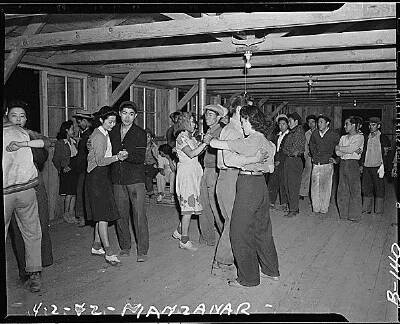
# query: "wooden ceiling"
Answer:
x=347 y=53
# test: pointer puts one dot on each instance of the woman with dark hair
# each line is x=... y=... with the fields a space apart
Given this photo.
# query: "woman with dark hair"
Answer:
x=349 y=150
x=252 y=242
x=64 y=160
x=101 y=205
x=17 y=114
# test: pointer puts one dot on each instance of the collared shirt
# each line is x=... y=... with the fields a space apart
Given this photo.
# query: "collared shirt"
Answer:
x=351 y=143
x=210 y=157
x=280 y=138
x=72 y=147
x=249 y=146
x=295 y=142
x=373 y=155
x=109 y=147
x=322 y=133
x=225 y=158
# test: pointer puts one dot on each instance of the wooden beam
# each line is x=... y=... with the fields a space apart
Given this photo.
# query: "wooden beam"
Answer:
x=206 y=25
x=278 y=109
x=293 y=78
x=123 y=86
x=304 y=71
x=17 y=53
x=374 y=38
x=257 y=60
x=317 y=84
x=262 y=102
x=193 y=90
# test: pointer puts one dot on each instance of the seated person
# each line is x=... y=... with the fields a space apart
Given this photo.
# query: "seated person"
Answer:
x=167 y=169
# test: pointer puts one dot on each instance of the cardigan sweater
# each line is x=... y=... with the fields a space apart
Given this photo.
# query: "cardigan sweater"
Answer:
x=323 y=148
x=97 y=151
x=131 y=170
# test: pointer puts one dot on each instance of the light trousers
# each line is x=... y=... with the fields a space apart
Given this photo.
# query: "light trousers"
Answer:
x=162 y=181
x=321 y=187
x=25 y=206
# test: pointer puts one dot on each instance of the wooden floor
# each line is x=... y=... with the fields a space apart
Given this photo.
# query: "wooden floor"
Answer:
x=326 y=266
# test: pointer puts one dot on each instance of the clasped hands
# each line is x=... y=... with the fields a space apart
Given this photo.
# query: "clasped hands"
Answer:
x=122 y=155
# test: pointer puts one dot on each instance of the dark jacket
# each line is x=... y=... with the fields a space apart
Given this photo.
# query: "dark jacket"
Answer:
x=385 y=142
x=323 y=148
x=61 y=157
x=279 y=155
x=131 y=170
x=81 y=157
x=295 y=142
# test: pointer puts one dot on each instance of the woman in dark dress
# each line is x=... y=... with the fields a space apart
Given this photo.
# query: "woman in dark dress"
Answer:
x=64 y=160
x=100 y=200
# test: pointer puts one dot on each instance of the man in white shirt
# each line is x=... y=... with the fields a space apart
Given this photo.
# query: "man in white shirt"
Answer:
x=349 y=150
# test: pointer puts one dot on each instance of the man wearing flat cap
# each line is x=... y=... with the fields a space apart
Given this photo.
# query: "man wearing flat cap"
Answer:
x=293 y=148
x=373 y=164
x=83 y=119
x=210 y=215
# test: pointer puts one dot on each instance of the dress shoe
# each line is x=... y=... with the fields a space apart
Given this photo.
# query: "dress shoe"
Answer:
x=235 y=284
x=176 y=235
x=291 y=214
x=263 y=275
x=187 y=246
x=35 y=282
x=142 y=258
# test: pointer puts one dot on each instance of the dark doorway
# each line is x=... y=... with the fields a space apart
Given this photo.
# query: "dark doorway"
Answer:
x=365 y=114
x=23 y=84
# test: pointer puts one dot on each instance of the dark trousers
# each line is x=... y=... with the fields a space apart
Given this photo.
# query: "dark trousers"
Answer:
x=276 y=184
x=80 y=207
x=135 y=193
x=371 y=183
x=292 y=173
x=16 y=236
x=349 y=190
x=149 y=172
x=251 y=231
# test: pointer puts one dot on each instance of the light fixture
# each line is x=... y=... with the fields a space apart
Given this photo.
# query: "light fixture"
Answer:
x=355 y=103
x=247 y=55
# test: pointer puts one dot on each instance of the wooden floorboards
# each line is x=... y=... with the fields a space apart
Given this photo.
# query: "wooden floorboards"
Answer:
x=326 y=266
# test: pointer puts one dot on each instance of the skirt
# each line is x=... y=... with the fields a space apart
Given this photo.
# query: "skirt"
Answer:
x=68 y=183
x=188 y=178
x=100 y=203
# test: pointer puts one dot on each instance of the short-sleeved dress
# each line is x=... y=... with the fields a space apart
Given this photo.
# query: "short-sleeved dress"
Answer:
x=188 y=176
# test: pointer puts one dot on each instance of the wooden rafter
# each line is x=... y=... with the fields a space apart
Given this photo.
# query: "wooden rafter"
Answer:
x=350 y=39
x=193 y=90
x=17 y=53
x=123 y=86
x=279 y=71
x=278 y=109
x=205 y=25
x=257 y=60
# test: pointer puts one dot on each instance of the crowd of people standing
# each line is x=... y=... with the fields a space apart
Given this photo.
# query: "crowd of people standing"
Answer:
x=249 y=165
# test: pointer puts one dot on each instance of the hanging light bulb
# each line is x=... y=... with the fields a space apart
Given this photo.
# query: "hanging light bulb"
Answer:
x=248 y=54
x=355 y=103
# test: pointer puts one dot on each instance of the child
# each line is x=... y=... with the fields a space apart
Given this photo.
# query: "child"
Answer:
x=167 y=169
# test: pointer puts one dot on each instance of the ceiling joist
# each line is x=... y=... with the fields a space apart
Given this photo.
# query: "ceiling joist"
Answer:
x=204 y=25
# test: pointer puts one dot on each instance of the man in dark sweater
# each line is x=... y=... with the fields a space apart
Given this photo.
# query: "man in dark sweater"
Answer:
x=293 y=148
x=322 y=147
x=129 y=180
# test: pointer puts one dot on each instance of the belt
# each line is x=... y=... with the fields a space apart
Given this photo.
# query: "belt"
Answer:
x=254 y=173
x=297 y=155
x=319 y=163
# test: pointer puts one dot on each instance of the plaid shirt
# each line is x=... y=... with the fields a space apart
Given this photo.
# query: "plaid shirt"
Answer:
x=295 y=142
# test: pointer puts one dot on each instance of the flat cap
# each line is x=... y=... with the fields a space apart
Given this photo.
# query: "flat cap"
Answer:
x=374 y=120
x=82 y=114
